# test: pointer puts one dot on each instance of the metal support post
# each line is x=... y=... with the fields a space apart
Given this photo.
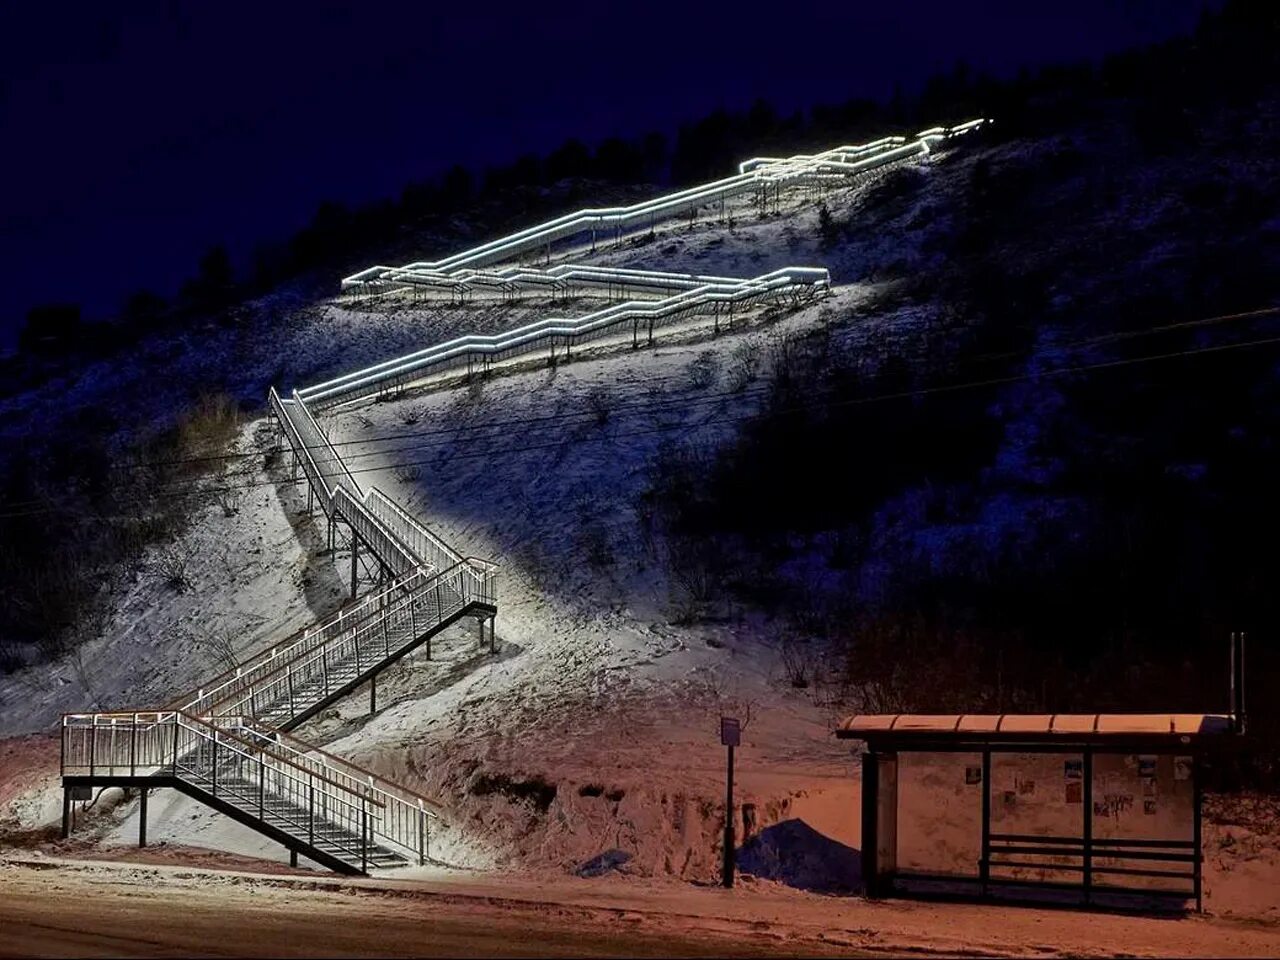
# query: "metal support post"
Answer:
x=1086 y=774
x=1196 y=835
x=870 y=822
x=142 y=819
x=984 y=865
x=364 y=835
x=727 y=878
x=66 y=812
x=355 y=549
x=373 y=694
x=422 y=835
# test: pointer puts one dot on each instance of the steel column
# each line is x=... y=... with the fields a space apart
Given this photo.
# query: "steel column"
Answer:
x=984 y=865
x=1197 y=880
x=870 y=841
x=1087 y=793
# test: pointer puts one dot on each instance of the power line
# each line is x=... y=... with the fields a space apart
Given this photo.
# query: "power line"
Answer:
x=646 y=406
x=853 y=401
x=456 y=434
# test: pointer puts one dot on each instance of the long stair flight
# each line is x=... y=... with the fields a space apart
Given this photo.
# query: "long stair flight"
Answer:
x=227 y=744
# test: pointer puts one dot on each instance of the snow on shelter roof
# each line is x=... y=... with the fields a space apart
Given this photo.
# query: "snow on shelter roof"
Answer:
x=1031 y=726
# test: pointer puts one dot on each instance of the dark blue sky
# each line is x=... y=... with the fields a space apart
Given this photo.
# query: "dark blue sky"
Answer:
x=136 y=135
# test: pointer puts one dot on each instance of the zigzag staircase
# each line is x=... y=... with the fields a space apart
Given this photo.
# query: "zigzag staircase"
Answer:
x=226 y=744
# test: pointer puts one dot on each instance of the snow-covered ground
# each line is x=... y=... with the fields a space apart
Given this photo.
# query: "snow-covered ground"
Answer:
x=593 y=688
x=588 y=739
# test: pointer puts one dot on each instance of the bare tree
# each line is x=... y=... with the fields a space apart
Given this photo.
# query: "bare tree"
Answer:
x=171 y=568
x=76 y=659
x=219 y=643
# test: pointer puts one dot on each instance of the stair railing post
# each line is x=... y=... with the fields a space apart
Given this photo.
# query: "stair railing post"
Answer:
x=364 y=834
x=215 y=763
x=386 y=643
x=422 y=835
x=262 y=785
x=311 y=810
x=175 y=744
x=289 y=678
x=93 y=742
x=133 y=748
x=324 y=666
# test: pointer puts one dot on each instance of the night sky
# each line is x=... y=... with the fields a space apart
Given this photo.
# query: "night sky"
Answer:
x=137 y=135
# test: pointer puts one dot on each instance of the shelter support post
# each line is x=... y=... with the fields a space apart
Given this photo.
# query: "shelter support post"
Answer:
x=66 y=812
x=1196 y=837
x=1087 y=791
x=879 y=821
x=142 y=818
x=984 y=866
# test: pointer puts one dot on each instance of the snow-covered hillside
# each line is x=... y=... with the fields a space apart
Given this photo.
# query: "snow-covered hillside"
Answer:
x=587 y=740
x=592 y=727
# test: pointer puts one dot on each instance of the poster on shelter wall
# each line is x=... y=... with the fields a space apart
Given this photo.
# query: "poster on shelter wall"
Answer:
x=1075 y=791
x=1182 y=768
x=1149 y=807
x=1148 y=786
x=1147 y=766
x=1073 y=770
x=972 y=775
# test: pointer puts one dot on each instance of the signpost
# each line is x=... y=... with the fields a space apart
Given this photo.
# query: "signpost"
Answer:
x=730 y=736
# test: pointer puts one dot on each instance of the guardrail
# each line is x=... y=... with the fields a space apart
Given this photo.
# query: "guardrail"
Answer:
x=297 y=681
x=567 y=332
x=399 y=542
x=566 y=280
x=406 y=817
x=260 y=778
x=368 y=611
x=754 y=174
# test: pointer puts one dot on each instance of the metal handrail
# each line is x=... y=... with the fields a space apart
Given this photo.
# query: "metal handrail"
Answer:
x=647 y=212
x=564 y=279
x=380 y=783
x=368 y=609
x=405 y=815
x=536 y=336
x=369 y=616
x=202 y=727
x=399 y=541
x=318 y=661
x=342 y=794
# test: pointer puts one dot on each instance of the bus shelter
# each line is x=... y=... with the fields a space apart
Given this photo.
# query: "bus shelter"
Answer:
x=1101 y=808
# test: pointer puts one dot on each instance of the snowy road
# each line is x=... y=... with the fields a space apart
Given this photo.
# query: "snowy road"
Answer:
x=119 y=909
x=126 y=912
